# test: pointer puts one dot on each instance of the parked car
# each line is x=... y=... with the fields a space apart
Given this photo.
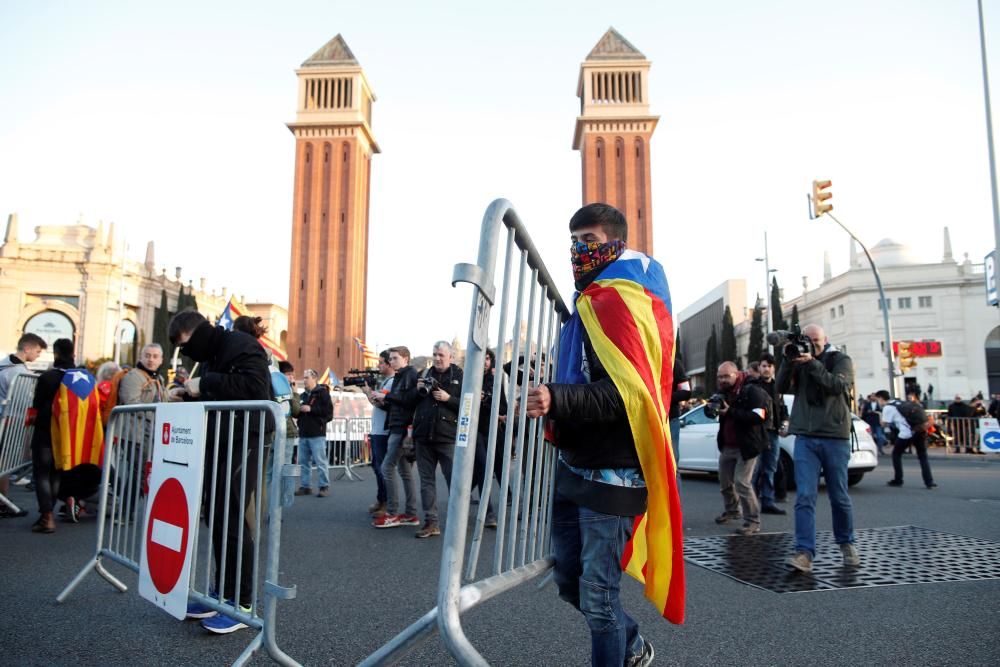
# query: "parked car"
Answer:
x=699 y=451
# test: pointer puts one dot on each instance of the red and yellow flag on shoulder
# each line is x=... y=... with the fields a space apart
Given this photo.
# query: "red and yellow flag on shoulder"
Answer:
x=77 y=433
x=626 y=313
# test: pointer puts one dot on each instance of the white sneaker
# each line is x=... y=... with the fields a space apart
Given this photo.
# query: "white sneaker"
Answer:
x=850 y=553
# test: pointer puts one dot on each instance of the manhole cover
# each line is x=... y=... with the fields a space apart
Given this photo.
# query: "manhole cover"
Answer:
x=889 y=557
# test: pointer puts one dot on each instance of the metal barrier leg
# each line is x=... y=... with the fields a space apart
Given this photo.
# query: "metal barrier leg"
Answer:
x=10 y=503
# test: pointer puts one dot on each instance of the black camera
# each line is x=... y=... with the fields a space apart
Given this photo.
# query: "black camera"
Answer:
x=794 y=342
x=714 y=404
x=367 y=377
x=426 y=385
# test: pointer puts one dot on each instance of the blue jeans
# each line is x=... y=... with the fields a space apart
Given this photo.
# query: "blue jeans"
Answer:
x=313 y=450
x=396 y=465
x=588 y=548
x=379 y=442
x=829 y=456
x=763 y=478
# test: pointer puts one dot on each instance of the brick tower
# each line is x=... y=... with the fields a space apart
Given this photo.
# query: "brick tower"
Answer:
x=329 y=268
x=613 y=132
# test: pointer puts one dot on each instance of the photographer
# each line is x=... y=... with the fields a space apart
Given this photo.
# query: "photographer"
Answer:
x=821 y=378
x=399 y=401
x=743 y=408
x=435 y=422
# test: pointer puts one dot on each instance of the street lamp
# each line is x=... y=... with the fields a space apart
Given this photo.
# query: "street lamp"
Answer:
x=767 y=285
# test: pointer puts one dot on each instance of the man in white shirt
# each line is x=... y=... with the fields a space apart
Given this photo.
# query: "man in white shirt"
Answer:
x=907 y=434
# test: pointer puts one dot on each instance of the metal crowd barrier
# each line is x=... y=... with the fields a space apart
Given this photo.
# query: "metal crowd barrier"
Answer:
x=522 y=548
x=127 y=459
x=15 y=431
x=347 y=445
x=959 y=434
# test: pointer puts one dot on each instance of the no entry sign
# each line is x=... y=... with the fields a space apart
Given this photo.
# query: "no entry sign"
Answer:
x=171 y=524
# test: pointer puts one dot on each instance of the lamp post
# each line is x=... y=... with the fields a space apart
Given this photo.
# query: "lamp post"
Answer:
x=989 y=133
x=767 y=288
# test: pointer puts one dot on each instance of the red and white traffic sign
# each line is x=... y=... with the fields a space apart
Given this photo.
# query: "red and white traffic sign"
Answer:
x=171 y=525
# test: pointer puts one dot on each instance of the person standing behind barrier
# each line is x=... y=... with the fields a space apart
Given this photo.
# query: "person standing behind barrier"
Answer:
x=379 y=436
x=29 y=347
x=400 y=400
x=909 y=421
x=291 y=424
x=959 y=424
x=315 y=413
x=233 y=367
x=600 y=488
x=435 y=422
x=821 y=380
x=43 y=463
x=143 y=384
x=500 y=463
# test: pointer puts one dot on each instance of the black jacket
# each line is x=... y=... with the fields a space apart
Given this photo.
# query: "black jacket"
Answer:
x=749 y=426
x=233 y=367
x=437 y=421
x=312 y=424
x=779 y=413
x=486 y=405
x=45 y=392
x=401 y=399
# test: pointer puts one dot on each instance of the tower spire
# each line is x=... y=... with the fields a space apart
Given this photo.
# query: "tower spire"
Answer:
x=948 y=257
x=11 y=235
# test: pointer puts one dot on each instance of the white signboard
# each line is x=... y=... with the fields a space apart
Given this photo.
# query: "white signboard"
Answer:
x=990 y=264
x=174 y=504
x=989 y=435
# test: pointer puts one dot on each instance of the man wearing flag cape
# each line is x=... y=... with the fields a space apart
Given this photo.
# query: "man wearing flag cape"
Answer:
x=616 y=505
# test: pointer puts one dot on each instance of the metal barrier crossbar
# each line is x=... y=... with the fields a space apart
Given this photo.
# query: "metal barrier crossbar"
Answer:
x=15 y=431
x=236 y=447
x=526 y=463
x=347 y=445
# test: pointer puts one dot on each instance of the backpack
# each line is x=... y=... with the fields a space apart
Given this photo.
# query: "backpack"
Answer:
x=109 y=401
x=913 y=413
x=282 y=390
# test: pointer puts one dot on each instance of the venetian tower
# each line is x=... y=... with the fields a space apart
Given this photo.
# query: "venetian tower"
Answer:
x=334 y=145
x=613 y=132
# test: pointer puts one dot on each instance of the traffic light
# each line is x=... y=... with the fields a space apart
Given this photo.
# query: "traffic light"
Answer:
x=820 y=195
x=905 y=356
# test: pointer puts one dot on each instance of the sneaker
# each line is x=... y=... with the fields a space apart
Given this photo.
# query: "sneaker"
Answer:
x=801 y=561
x=429 y=530
x=726 y=517
x=932 y=485
x=387 y=521
x=491 y=522
x=771 y=509
x=894 y=482
x=642 y=659
x=324 y=491
x=850 y=554
x=749 y=529
x=409 y=520
x=303 y=491
x=198 y=610
x=221 y=624
x=22 y=481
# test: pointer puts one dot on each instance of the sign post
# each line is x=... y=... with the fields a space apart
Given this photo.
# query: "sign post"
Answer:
x=990 y=266
x=171 y=521
x=989 y=435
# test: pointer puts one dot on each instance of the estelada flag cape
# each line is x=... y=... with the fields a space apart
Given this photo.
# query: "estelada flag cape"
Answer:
x=626 y=313
x=77 y=433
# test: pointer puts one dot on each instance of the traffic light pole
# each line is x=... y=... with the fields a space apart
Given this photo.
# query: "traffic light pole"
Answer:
x=885 y=309
x=989 y=133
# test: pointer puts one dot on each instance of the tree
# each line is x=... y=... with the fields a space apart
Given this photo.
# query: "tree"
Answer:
x=678 y=348
x=755 y=348
x=777 y=317
x=161 y=319
x=711 y=362
x=728 y=339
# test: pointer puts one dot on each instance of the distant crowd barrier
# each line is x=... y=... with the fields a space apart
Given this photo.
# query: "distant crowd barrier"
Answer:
x=347 y=445
x=16 y=429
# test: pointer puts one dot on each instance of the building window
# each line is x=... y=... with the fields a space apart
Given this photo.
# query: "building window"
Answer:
x=833 y=313
x=905 y=303
x=887 y=303
x=840 y=310
x=924 y=301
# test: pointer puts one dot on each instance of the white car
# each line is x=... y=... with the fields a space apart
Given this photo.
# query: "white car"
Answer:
x=699 y=451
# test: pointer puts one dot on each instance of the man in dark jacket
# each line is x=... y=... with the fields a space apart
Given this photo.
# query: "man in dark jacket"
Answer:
x=233 y=367
x=46 y=476
x=741 y=438
x=435 y=422
x=769 y=485
x=398 y=462
x=822 y=382
x=315 y=412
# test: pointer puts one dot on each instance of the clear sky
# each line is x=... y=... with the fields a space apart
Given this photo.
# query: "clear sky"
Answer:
x=168 y=119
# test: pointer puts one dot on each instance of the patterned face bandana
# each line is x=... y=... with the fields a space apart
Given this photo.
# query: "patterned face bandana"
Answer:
x=589 y=256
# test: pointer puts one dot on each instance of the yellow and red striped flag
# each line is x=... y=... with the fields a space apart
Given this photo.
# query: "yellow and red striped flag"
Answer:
x=229 y=316
x=371 y=359
x=626 y=313
x=77 y=433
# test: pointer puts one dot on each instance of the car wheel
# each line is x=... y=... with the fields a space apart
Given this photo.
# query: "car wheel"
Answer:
x=787 y=469
x=854 y=477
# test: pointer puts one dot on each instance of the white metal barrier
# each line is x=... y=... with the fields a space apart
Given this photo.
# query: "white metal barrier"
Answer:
x=15 y=430
x=521 y=550
x=347 y=445
x=237 y=435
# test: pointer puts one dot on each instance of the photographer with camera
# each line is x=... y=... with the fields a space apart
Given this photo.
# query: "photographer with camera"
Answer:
x=399 y=401
x=743 y=408
x=435 y=423
x=821 y=378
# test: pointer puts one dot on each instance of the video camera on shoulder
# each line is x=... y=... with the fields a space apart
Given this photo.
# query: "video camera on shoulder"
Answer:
x=426 y=385
x=367 y=377
x=794 y=342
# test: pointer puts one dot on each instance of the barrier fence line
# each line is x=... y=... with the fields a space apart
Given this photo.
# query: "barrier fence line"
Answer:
x=347 y=446
x=15 y=431
x=241 y=428
x=957 y=434
x=527 y=462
